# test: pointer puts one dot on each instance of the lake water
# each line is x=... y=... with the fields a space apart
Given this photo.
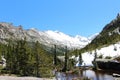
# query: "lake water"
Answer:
x=93 y=75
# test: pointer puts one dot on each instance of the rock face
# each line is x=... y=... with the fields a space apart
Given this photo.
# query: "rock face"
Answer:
x=113 y=26
x=9 y=31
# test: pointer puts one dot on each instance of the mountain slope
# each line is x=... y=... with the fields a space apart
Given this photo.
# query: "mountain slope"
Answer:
x=108 y=36
x=106 y=44
x=48 y=38
x=112 y=51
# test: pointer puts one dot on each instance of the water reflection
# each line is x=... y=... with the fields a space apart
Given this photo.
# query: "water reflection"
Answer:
x=98 y=75
x=93 y=75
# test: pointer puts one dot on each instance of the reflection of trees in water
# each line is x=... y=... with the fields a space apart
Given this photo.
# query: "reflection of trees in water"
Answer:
x=103 y=75
x=94 y=75
x=80 y=73
x=97 y=75
x=60 y=76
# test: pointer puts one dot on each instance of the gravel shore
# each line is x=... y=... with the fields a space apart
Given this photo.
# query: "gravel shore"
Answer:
x=23 y=78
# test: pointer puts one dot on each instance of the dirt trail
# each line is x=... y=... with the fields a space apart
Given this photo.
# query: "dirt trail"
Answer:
x=23 y=78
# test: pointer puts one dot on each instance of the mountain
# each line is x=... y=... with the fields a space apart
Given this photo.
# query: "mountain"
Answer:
x=48 y=38
x=110 y=35
x=106 y=43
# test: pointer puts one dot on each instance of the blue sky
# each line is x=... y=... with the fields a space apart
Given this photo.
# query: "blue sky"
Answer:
x=73 y=17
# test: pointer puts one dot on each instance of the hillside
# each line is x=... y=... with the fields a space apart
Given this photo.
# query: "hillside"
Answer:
x=106 y=44
x=111 y=51
x=108 y=36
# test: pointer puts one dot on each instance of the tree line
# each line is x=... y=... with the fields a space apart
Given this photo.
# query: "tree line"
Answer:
x=26 y=59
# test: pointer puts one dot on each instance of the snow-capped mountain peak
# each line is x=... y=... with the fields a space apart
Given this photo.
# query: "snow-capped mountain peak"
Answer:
x=93 y=36
x=49 y=37
x=76 y=42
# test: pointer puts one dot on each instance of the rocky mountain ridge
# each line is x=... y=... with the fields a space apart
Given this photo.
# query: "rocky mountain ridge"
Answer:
x=110 y=35
x=49 y=38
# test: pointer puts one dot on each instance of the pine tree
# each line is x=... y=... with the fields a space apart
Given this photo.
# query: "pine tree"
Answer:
x=8 y=56
x=66 y=61
x=37 y=59
x=94 y=62
x=55 y=56
x=21 y=57
x=80 y=58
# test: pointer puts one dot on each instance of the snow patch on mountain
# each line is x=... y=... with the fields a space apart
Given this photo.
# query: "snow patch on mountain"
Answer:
x=112 y=51
x=93 y=36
